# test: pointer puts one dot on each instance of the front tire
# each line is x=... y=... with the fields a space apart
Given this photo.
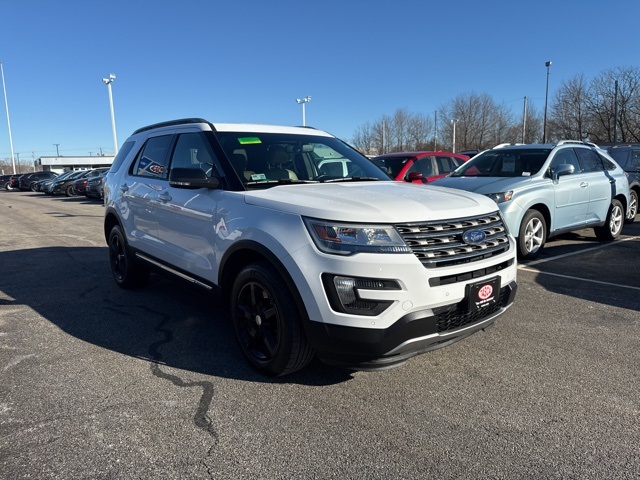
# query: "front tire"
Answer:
x=70 y=191
x=126 y=271
x=614 y=222
x=532 y=235
x=267 y=323
x=632 y=211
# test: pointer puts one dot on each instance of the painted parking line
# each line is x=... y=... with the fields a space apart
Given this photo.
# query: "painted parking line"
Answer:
x=564 y=255
x=580 y=279
x=529 y=266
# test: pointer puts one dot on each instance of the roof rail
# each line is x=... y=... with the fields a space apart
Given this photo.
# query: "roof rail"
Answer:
x=508 y=145
x=577 y=142
x=171 y=123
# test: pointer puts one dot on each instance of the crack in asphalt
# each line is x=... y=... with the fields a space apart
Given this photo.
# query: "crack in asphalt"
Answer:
x=200 y=417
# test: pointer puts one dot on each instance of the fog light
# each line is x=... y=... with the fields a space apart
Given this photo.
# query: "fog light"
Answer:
x=344 y=297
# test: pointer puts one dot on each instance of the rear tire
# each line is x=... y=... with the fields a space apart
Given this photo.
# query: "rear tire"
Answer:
x=614 y=222
x=127 y=272
x=632 y=211
x=532 y=235
x=267 y=322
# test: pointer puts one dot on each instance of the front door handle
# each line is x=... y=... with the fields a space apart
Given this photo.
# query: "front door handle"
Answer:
x=164 y=197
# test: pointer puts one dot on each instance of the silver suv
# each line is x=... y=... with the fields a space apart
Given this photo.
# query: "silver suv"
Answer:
x=341 y=263
x=545 y=190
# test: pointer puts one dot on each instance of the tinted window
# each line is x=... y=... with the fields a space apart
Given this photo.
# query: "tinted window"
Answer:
x=505 y=163
x=191 y=152
x=122 y=154
x=566 y=157
x=608 y=164
x=422 y=165
x=152 y=159
x=447 y=164
x=619 y=156
x=635 y=164
x=589 y=160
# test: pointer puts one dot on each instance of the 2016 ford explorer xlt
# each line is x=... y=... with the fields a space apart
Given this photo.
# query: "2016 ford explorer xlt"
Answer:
x=344 y=264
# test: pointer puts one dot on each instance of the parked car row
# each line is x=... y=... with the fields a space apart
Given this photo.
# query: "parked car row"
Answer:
x=70 y=183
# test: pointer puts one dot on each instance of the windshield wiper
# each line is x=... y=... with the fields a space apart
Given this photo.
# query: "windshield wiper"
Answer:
x=352 y=179
x=280 y=181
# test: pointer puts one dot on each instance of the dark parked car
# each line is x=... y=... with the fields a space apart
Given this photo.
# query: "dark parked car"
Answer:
x=45 y=186
x=14 y=182
x=80 y=184
x=628 y=157
x=419 y=167
x=4 y=179
x=65 y=185
x=95 y=186
x=28 y=180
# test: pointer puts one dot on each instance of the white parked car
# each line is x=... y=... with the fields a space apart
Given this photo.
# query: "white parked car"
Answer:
x=545 y=190
x=352 y=267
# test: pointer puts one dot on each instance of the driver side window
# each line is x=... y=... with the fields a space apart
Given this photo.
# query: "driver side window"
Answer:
x=566 y=157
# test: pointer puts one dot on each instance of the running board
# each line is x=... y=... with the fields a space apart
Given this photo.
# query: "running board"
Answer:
x=164 y=267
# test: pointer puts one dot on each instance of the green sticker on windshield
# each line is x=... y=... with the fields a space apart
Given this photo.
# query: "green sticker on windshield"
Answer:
x=249 y=140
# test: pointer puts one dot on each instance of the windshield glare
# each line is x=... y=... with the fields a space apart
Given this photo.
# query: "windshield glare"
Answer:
x=270 y=158
x=504 y=163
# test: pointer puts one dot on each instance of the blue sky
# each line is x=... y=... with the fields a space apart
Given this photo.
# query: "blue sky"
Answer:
x=247 y=61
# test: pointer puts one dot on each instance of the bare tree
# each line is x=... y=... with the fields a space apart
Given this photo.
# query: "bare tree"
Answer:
x=480 y=122
x=615 y=105
x=570 y=116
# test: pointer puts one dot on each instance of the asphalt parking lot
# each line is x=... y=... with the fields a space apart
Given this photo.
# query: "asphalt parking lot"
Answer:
x=97 y=382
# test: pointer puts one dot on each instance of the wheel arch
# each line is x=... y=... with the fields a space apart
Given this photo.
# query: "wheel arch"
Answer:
x=245 y=252
x=544 y=211
x=110 y=220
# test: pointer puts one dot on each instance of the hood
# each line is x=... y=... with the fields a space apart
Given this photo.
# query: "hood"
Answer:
x=372 y=202
x=483 y=185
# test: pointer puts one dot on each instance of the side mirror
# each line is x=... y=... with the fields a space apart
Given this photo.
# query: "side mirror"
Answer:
x=562 y=169
x=414 y=176
x=192 y=178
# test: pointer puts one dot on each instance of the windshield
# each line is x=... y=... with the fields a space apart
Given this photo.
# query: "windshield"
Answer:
x=267 y=159
x=504 y=163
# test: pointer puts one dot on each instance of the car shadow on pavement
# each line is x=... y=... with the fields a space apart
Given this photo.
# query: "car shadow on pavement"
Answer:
x=165 y=323
x=589 y=269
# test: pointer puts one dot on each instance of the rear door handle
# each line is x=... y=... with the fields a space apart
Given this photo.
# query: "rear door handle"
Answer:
x=164 y=197
x=124 y=188
x=584 y=185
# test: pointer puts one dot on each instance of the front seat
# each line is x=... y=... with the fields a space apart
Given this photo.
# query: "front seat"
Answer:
x=277 y=157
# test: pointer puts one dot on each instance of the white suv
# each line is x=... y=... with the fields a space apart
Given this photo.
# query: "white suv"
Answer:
x=347 y=265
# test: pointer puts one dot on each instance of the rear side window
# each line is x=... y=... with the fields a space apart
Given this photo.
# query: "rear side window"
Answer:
x=589 y=160
x=122 y=154
x=447 y=164
x=152 y=160
x=635 y=160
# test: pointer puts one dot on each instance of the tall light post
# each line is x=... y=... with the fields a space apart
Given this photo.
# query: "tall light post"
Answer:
x=546 y=101
x=108 y=82
x=453 y=143
x=6 y=104
x=57 y=149
x=303 y=102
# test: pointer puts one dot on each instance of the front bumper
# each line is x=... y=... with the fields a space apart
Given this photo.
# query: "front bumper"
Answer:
x=415 y=333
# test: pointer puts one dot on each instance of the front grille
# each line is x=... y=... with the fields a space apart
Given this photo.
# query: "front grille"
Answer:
x=451 y=318
x=440 y=243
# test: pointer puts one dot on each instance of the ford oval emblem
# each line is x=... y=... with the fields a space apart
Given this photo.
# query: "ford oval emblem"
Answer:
x=474 y=237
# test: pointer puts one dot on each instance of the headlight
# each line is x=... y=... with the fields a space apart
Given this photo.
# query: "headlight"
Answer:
x=501 y=196
x=347 y=239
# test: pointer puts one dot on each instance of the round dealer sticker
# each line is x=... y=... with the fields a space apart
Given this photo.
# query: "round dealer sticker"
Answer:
x=485 y=292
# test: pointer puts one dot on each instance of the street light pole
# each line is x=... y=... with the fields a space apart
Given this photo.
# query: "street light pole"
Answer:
x=6 y=104
x=57 y=149
x=303 y=101
x=453 y=143
x=546 y=100
x=108 y=82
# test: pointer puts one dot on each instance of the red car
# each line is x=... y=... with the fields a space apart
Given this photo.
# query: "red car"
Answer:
x=419 y=167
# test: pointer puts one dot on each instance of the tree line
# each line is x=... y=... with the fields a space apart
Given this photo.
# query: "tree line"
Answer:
x=605 y=109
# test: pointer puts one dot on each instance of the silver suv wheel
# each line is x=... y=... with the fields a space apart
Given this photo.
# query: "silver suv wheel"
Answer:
x=533 y=234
